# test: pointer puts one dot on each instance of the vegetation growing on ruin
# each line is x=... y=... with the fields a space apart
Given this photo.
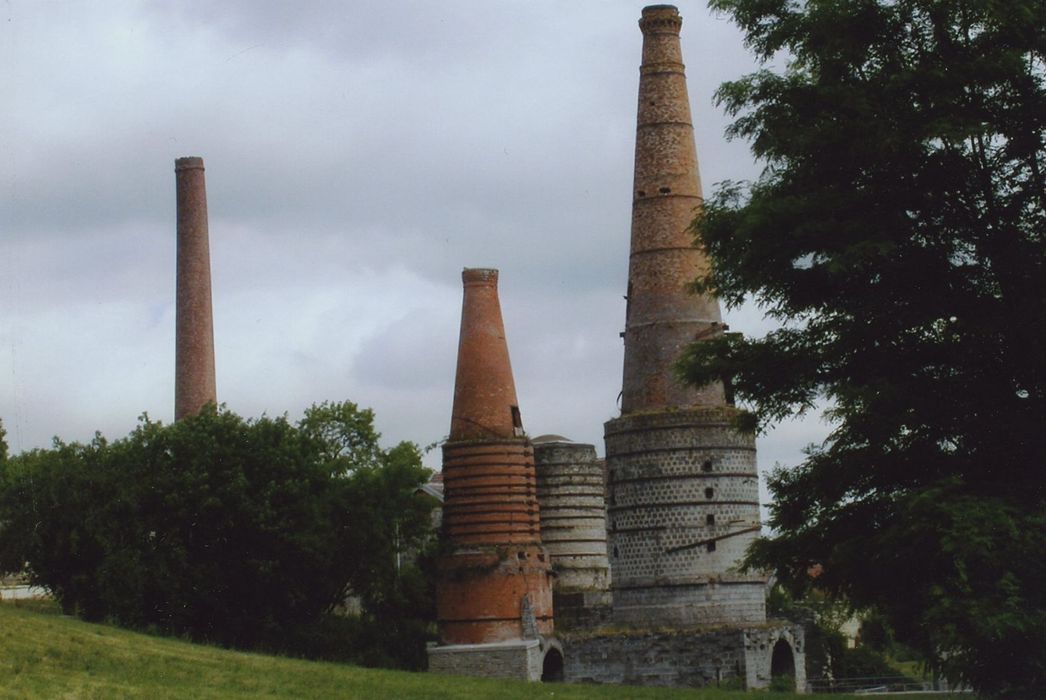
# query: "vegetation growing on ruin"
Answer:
x=898 y=234
x=246 y=533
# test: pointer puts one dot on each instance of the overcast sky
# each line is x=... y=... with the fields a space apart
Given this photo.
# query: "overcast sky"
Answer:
x=358 y=156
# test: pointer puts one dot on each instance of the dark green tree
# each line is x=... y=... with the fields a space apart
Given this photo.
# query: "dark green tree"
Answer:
x=897 y=233
x=241 y=532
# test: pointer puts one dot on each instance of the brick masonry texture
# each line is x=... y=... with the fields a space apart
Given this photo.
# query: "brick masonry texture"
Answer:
x=493 y=581
x=194 y=382
x=485 y=404
x=662 y=317
x=683 y=498
x=490 y=493
x=664 y=521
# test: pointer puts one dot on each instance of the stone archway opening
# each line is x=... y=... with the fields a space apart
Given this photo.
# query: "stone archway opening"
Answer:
x=782 y=666
x=552 y=667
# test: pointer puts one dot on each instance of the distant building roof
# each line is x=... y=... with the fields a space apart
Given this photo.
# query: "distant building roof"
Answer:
x=434 y=487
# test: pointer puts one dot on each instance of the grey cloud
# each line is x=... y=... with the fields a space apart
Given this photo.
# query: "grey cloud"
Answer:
x=358 y=156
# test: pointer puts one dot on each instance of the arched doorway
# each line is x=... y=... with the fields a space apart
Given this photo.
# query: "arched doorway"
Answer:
x=552 y=667
x=782 y=666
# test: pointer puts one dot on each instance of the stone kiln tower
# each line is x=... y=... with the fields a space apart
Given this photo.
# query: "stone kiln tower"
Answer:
x=683 y=486
x=493 y=596
x=194 y=332
x=572 y=494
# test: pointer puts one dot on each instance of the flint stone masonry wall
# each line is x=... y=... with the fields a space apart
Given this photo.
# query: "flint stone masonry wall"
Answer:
x=582 y=610
x=520 y=660
x=683 y=507
x=759 y=651
x=680 y=658
x=718 y=601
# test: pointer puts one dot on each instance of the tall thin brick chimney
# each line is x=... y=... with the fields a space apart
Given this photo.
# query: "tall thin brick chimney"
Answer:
x=662 y=317
x=493 y=586
x=194 y=384
x=683 y=499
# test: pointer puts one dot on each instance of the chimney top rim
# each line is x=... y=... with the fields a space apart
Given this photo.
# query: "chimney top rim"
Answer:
x=479 y=275
x=188 y=163
x=660 y=19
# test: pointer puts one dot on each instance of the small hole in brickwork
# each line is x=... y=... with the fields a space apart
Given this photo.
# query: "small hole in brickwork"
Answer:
x=652 y=103
x=709 y=492
x=615 y=551
x=711 y=546
x=521 y=555
x=665 y=190
x=517 y=420
x=707 y=466
x=641 y=193
x=710 y=519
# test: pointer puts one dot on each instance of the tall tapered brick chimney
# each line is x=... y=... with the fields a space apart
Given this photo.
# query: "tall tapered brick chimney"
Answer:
x=194 y=384
x=493 y=595
x=662 y=317
x=683 y=498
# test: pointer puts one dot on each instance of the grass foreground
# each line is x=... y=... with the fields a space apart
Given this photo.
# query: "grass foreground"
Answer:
x=47 y=655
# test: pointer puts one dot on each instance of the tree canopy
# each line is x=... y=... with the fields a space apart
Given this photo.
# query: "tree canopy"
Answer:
x=240 y=532
x=898 y=234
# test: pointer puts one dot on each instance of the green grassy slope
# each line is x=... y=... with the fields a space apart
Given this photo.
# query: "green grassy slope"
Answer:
x=46 y=655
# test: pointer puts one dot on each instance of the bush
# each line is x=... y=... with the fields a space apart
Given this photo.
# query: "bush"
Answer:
x=239 y=532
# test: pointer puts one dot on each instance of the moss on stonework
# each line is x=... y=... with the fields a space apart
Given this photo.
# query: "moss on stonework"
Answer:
x=621 y=631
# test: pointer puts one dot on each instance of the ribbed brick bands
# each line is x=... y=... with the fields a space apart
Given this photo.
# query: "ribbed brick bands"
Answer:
x=662 y=317
x=490 y=493
x=494 y=581
x=194 y=384
x=572 y=493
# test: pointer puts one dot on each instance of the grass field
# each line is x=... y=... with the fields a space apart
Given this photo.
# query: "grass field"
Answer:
x=47 y=655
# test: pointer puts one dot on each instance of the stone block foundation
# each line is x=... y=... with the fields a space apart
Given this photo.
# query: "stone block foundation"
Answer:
x=731 y=656
x=519 y=659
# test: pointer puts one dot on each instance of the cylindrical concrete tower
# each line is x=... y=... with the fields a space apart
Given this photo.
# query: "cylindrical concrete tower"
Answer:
x=683 y=486
x=194 y=326
x=494 y=584
x=572 y=494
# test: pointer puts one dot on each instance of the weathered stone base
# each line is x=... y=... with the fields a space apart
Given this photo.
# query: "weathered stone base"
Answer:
x=739 y=656
x=582 y=610
x=724 y=600
x=519 y=659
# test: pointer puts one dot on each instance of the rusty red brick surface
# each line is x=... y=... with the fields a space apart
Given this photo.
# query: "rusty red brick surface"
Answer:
x=662 y=317
x=194 y=384
x=484 y=393
x=494 y=580
x=481 y=591
x=491 y=493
